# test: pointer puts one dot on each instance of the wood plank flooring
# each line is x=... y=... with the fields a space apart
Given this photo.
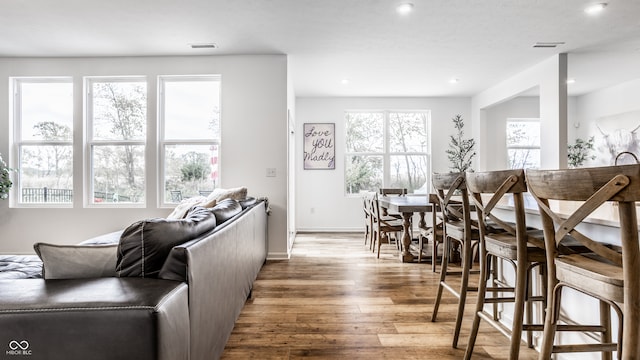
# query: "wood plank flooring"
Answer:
x=334 y=300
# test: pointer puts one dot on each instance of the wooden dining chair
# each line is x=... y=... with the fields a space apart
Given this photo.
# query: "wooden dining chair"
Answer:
x=510 y=242
x=394 y=192
x=368 y=219
x=607 y=273
x=383 y=226
x=433 y=233
x=457 y=228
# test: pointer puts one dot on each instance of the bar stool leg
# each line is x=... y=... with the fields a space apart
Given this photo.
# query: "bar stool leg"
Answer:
x=443 y=274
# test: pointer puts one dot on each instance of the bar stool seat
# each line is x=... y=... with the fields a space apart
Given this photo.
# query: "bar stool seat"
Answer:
x=591 y=275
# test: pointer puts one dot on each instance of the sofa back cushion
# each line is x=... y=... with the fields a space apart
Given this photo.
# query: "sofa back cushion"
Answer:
x=145 y=244
x=226 y=209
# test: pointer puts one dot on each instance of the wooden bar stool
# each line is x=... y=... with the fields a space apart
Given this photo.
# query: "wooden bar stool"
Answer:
x=608 y=274
x=458 y=228
x=509 y=242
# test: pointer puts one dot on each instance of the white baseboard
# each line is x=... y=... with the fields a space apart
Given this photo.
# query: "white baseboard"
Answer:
x=278 y=256
x=329 y=230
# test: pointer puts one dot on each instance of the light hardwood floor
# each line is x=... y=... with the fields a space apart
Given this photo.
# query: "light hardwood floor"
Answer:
x=334 y=300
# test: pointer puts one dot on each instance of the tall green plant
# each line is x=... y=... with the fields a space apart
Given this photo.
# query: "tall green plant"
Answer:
x=5 y=181
x=461 y=151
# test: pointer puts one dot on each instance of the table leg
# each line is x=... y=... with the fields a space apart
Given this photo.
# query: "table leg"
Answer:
x=406 y=237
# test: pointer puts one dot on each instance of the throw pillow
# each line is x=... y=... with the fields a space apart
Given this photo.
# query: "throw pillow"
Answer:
x=232 y=193
x=77 y=261
x=184 y=206
x=145 y=244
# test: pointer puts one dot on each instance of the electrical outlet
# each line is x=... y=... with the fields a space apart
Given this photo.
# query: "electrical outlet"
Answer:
x=271 y=172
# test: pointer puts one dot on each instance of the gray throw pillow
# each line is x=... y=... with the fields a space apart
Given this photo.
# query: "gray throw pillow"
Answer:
x=77 y=261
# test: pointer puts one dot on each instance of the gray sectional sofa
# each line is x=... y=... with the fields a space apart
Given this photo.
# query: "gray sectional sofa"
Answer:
x=186 y=309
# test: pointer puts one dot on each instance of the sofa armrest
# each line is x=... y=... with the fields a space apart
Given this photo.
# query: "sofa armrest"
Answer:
x=102 y=318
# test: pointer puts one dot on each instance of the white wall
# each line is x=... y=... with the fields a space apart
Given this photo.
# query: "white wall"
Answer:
x=549 y=77
x=321 y=203
x=612 y=108
x=254 y=115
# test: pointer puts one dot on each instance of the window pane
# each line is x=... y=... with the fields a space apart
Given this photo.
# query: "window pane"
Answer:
x=46 y=174
x=410 y=172
x=190 y=170
x=524 y=158
x=363 y=173
x=119 y=110
x=46 y=111
x=523 y=133
x=408 y=132
x=118 y=173
x=192 y=109
x=364 y=132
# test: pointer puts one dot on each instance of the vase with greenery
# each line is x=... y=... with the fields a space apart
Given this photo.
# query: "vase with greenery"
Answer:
x=580 y=151
x=5 y=181
x=461 y=151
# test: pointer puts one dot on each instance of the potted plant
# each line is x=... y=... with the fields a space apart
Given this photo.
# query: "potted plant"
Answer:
x=579 y=152
x=5 y=181
x=460 y=151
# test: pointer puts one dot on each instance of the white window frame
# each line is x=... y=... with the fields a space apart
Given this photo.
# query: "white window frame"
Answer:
x=519 y=147
x=14 y=156
x=90 y=142
x=163 y=143
x=386 y=151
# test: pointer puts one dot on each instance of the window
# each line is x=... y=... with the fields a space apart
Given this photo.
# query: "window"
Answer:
x=43 y=136
x=189 y=115
x=387 y=149
x=523 y=143
x=116 y=135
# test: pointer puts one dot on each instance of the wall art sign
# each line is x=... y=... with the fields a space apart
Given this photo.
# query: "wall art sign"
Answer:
x=319 y=146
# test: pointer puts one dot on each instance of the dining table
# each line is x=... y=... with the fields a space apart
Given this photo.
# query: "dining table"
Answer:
x=407 y=206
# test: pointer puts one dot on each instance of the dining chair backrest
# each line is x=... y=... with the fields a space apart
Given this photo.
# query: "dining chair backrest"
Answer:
x=393 y=191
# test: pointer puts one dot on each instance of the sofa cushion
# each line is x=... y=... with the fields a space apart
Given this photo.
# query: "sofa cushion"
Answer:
x=76 y=261
x=248 y=201
x=226 y=209
x=145 y=244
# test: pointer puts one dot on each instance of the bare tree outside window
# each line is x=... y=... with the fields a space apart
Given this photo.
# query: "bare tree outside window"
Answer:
x=44 y=119
x=119 y=115
x=523 y=143
x=386 y=149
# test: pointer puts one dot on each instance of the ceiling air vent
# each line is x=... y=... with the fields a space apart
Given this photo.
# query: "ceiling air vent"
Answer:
x=551 y=44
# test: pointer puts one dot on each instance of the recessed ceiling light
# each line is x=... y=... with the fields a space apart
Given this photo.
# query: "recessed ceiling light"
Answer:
x=454 y=81
x=404 y=9
x=204 y=46
x=571 y=81
x=345 y=82
x=595 y=8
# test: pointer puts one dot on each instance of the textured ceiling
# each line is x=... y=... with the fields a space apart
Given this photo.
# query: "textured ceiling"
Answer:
x=381 y=53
